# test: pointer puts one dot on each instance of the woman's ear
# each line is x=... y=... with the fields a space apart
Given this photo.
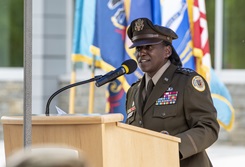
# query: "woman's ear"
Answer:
x=168 y=51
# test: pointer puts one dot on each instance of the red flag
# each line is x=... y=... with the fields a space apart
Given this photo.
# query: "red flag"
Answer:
x=200 y=39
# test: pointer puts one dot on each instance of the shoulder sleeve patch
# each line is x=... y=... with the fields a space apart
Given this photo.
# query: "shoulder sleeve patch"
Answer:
x=198 y=83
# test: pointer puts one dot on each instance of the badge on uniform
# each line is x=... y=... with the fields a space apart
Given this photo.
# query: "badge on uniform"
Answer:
x=131 y=111
x=170 y=89
x=133 y=108
x=130 y=114
x=167 y=98
x=139 y=25
x=198 y=83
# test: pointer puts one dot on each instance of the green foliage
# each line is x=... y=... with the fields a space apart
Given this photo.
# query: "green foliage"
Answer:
x=210 y=13
x=234 y=35
x=11 y=33
x=233 y=32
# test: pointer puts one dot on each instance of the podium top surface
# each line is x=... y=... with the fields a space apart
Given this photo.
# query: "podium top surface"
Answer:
x=66 y=119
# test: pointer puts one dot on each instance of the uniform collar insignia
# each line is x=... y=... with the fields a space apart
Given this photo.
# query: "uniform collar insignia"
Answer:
x=170 y=89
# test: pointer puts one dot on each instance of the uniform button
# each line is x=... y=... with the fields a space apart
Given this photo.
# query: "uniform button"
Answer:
x=140 y=122
x=164 y=132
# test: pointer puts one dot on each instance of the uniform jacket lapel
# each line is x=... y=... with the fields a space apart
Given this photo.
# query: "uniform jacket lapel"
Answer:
x=161 y=86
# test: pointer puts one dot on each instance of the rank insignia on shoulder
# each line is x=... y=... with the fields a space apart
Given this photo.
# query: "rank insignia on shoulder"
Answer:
x=167 y=98
x=186 y=71
x=198 y=83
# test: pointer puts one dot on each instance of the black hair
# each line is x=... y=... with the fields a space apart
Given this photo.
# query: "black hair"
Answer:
x=174 y=57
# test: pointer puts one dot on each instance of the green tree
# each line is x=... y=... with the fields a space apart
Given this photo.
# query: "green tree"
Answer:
x=233 y=35
x=210 y=15
x=11 y=33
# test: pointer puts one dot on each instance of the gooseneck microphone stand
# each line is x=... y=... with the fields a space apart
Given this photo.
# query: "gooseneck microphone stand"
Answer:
x=68 y=87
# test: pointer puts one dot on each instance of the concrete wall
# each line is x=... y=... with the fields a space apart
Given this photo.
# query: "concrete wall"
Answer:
x=11 y=102
x=237 y=134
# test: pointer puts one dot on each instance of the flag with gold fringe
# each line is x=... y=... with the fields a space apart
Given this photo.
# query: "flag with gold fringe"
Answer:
x=107 y=33
x=220 y=94
x=188 y=19
x=84 y=25
x=109 y=37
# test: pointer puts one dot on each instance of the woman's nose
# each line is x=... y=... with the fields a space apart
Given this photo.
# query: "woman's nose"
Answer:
x=140 y=53
x=141 y=50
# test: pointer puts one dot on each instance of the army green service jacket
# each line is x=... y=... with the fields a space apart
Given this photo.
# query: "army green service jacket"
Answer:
x=180 y=104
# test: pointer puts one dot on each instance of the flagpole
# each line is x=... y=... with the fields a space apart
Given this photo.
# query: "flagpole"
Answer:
x=91 y=89
x=27 y=119
x=72 y=90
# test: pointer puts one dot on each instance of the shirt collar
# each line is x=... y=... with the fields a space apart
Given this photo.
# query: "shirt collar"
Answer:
x=158 y=74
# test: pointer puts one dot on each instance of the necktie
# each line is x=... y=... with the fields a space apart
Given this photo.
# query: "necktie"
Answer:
x=150 y=86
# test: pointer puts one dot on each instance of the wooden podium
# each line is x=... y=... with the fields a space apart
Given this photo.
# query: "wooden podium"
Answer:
x=104 y=140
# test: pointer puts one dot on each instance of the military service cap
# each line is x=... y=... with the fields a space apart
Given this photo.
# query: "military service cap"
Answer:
x=143 y=32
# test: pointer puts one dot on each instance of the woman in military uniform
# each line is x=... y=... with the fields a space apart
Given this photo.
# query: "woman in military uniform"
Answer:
x=168 y=98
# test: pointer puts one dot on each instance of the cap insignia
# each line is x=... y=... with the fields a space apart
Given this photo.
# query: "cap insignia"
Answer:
x=198 y=83
x=139 y=25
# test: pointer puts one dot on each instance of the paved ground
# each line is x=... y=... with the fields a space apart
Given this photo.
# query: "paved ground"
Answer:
x=220 y=155
x=2 y=155
x=227 y=155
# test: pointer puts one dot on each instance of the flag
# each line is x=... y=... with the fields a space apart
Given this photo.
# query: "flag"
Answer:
x=175 y=16
x=222 y=101
x=220 y=94
x=136 y=9
x=109 y=38
x=103 y=24
x=188 y=20
x=84 y=21
x=84 y=17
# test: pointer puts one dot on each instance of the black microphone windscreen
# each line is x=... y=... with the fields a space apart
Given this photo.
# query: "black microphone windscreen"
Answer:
x=131 y=66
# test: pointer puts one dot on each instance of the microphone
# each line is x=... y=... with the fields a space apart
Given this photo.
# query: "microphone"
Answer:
x=127 y=67
x=68 y=87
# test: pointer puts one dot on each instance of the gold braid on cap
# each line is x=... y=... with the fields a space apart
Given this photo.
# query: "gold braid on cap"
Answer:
x=147 y=36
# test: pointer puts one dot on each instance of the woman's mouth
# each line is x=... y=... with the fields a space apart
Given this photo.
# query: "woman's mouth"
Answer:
x=144 y=60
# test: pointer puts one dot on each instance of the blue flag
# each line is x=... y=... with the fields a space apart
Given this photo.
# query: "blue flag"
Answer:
x=137 y=9
x=175 y=16
x=84 y=31
x=194 y=51
x=109 y=37
x=103 y=24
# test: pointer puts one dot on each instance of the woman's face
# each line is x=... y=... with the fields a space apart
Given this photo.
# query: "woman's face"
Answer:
x=151 y=58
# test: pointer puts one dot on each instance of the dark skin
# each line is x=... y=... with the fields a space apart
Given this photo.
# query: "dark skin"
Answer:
x=151 y=58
